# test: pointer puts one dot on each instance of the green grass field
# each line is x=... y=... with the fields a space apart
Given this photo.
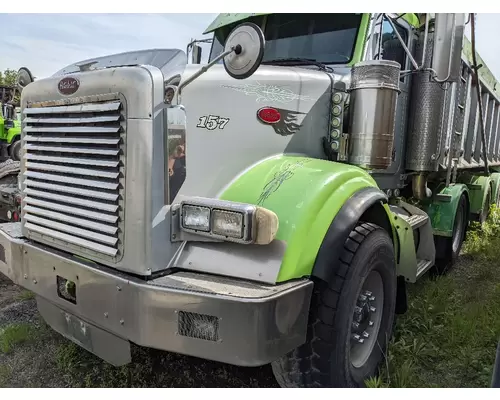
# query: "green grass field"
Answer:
x=449 y=335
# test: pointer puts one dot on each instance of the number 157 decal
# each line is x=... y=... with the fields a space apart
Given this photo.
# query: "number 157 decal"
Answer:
x=212 y=122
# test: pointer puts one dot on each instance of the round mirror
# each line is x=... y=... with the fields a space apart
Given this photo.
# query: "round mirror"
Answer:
x=248 y=42
x=24 y=78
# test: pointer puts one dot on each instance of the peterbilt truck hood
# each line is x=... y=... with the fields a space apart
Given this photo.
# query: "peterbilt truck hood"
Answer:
x=236 y=139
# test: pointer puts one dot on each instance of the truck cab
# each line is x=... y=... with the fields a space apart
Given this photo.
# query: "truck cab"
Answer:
x=10 y=131
x=337 y=41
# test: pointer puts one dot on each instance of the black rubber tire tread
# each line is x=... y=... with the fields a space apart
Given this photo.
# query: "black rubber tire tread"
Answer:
x=309 y=364
x=14 y=148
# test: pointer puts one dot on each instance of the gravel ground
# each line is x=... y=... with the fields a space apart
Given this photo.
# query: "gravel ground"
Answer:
x=46 y=359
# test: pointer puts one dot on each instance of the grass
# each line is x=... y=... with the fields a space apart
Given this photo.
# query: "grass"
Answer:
x=86 y=370
x=449 y=335
x=154 y=368
x=13 y=335
x=25 y=295
x=5 y=374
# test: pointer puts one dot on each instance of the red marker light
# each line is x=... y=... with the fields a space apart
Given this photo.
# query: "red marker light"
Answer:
x=269 y=115
x=15 y=216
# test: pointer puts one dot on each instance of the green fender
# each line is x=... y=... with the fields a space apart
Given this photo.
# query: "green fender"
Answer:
x=13 y=132
x=443 y=208
x=478 y=186
x=306 y=194
x=495 y=178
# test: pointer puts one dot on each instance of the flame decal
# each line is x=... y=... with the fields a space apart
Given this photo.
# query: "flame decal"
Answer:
x=288 y=125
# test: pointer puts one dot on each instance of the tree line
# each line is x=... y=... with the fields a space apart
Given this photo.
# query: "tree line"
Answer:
x=8 y=77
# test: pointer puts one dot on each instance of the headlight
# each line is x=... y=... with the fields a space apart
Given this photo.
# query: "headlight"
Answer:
x=196 y=218
x=228 y=221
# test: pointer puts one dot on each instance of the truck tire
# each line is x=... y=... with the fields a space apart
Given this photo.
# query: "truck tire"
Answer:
x=332 y=355
x=448 y=248
x=15 y=150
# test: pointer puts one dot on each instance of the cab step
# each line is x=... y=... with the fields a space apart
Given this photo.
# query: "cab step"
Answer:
x=423 y=266
x=417 y=256
x=416 y=221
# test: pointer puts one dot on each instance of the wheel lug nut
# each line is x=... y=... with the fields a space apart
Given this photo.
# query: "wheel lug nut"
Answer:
x=366 y=334
x=370 y=323
x=362 y=297
x=368 y=293
x=373 y=309
x=358 y=338
x=355 y=325
x=358 y=310
x=371 y=298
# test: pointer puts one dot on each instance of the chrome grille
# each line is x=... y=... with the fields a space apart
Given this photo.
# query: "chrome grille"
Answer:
x=73 y=175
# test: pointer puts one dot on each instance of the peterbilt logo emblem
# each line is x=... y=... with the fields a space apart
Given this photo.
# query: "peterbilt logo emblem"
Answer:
x=67 y=86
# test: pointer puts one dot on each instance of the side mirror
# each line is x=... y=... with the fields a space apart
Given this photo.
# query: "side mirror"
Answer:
x=242 y=55
x=24 y=78
x=248 y=43
x=196 y=54
x=448 y=39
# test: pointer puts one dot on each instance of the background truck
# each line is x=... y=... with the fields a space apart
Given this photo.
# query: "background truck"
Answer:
x=271 y=209
x=10 y=118
x=10 y=147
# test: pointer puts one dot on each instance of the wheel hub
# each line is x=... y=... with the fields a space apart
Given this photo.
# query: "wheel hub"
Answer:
x=362 y=318
x=366 y=319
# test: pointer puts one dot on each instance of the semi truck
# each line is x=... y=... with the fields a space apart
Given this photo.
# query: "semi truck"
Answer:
x=267 y=207
x=10 y=146
x=10 y=123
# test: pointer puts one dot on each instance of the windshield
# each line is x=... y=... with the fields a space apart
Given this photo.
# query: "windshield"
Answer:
x=325 y=38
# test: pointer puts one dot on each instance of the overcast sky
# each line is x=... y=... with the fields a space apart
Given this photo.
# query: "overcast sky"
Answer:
x=46 y=43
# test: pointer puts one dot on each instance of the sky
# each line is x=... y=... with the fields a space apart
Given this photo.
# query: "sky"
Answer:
x=46 y=43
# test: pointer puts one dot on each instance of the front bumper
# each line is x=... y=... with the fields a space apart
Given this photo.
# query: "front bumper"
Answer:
x=216 y=318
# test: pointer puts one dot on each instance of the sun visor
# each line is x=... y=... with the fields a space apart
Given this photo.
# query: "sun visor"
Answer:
x=164 y=59
x=228 y=19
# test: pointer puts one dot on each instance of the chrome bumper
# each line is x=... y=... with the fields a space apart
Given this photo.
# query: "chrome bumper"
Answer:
x=216 y=318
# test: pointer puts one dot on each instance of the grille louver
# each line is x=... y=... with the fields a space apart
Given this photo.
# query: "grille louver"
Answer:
x=73 y=176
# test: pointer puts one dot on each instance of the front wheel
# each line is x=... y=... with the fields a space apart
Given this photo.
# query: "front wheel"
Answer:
x=351 y=317
x=15 y=150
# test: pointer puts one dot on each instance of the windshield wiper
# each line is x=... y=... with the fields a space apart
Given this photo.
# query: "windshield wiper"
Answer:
x=298 y=61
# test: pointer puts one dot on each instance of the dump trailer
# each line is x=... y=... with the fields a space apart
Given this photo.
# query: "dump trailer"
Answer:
x=270 y=206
